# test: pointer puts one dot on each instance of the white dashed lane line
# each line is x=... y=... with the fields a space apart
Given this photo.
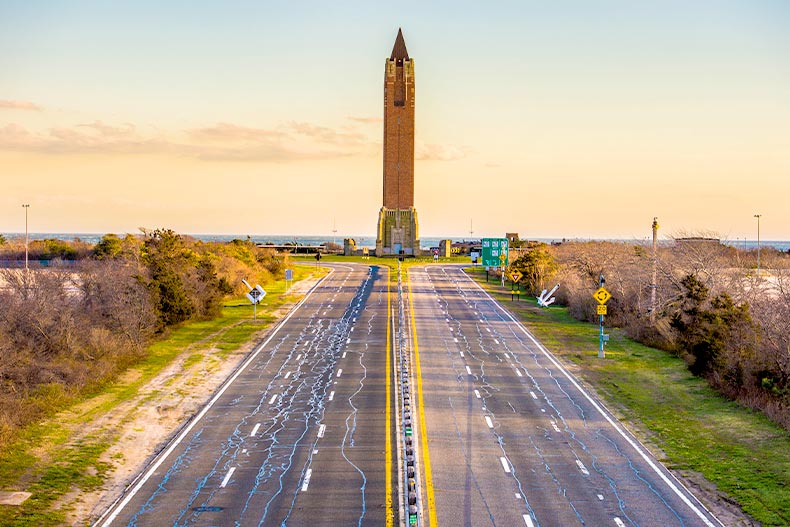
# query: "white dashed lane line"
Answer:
x=477 y=394
x=306 y=481
x=321 y=430
x=505 y=464
x=255 y=429
x=528 y=520
x=274 y=398
x=331 y=395
x=582 y=468
x=339 y=372
x=469 y=370
x=489 y=422
x=227 y=477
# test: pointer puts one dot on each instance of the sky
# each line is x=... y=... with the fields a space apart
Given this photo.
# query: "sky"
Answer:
x=562 y=119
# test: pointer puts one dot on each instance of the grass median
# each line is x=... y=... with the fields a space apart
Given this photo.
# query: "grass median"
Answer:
x=692 y=429
x=66 y=454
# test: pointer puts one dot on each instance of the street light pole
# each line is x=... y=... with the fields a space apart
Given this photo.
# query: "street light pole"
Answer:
x=758 y=242
x=27 y=206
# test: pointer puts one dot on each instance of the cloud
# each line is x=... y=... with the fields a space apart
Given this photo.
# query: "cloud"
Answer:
x=293 y=141
x=367 y=120
x=19 y=105
x=434 y=152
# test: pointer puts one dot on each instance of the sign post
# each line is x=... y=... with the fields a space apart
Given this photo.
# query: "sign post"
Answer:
x=515 y=276
x=255 y=295
x=602 y=296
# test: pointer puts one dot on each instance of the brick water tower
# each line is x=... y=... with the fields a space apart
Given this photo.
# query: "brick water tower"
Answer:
x=398 y=229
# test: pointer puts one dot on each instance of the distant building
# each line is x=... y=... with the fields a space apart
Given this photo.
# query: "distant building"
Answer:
x=398 y=229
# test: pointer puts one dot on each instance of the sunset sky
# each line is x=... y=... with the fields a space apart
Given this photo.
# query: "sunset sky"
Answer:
x=570 y=118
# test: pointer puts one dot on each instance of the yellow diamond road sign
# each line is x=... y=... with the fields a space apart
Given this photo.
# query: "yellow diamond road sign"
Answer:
x=515 y=276
x=602 y=295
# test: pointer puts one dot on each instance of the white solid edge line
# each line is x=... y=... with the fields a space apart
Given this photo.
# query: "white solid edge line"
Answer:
x=606 y=416
x=166 y=453
x=227 y=477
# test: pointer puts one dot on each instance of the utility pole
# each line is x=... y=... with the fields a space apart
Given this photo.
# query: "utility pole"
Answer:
x=654 y=286
x=26 y=207
x=471 y=230
x=334 y=231
x=758 y=243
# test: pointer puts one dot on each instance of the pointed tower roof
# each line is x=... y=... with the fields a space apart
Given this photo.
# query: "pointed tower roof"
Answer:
x=399 y=49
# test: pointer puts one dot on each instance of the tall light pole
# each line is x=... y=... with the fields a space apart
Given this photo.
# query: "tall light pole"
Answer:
x=758 y=243
x=26 y=206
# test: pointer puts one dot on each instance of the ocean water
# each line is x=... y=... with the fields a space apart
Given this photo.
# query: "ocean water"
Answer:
x=363 y=241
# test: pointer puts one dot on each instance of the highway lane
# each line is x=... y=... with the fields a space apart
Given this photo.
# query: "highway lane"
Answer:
x=298 y=435
x=510 y=437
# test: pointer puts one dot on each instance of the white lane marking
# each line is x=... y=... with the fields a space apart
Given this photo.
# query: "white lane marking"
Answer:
x=217 y=395
x=528 y=520
x=497 y=341
x=298 y=357
x=340 y=372
x=307 y=476
x=288 y=374
x=506 y=355
x=488 y=329
x=455 y=339
x=600 y=497
x=331 y=395
x=468 y=370
x=451 y=329
x=324 y=313
x=488 y=422
x=243 y=450
x=306 y=342
x=505 y=464
x=518 y=496
x=321 y=430
x=344 y=355
x=477 y=394
x=673 y=485
x=533 y=395
x=274 y=398
x=255 y=429
x=554 y=425
x=582 y=467
x=315 y=451
x=619 y=522
x=227 y=477
x=462 y=353
x=348 y=341
x=518 y=373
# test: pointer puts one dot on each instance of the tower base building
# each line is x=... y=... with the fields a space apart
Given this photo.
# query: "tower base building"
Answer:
x=398 y=230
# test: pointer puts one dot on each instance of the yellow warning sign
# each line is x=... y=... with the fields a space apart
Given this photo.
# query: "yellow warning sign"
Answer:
x=602 y=295
x=515 y=276
x=601 y=309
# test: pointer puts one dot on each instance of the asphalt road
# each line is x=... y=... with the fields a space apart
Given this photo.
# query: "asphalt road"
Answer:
x=298 y=435
x=511 y=438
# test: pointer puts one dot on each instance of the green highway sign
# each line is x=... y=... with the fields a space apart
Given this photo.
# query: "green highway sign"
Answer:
x=494 y=252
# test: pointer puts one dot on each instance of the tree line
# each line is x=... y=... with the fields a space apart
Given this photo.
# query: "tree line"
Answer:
x=696 y=298
x=67 y=329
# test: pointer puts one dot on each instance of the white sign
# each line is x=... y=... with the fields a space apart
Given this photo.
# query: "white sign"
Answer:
x=256 y=294
x=545 y=300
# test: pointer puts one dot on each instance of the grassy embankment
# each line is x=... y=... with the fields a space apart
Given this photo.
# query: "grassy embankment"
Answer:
x=52 y=459
x=690 y=427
